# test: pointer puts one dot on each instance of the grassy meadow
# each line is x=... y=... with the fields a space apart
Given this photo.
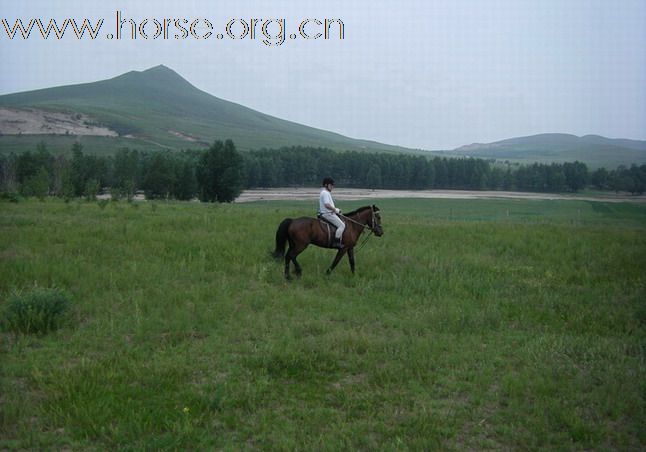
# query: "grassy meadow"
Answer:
x=471 y=324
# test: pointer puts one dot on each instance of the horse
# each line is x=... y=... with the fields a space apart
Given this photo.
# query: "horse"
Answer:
x=303 y=231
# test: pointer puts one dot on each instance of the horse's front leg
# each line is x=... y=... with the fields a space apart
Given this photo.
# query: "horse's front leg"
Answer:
x=351 y=259
x=336 y=260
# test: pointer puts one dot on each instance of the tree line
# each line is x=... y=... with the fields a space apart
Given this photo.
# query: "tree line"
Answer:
x=303 y=166
x=216 y=174
x=221 y=173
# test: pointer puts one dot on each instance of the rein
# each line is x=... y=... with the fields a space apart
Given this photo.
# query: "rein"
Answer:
x=361 y=224
x=365 y=240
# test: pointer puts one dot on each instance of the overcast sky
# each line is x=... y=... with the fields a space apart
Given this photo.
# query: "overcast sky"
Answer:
x=430 y=74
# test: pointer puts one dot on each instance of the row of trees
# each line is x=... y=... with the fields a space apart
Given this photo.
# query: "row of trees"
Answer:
x=307 y=166
x=220 y=173
x=216 y=174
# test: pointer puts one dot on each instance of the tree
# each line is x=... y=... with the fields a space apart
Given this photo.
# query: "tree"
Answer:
x=160 y=177
x=185 y=183
x=508 y=180
x=600 y=179
x=555 y=179
x=220 y=175
x=92 y=187
x=254 y=171
x=38 y=184
x=26 y=167
x=638 y=174
x=373 y=178
x=496 y=178
x=422 y=173
x=125 y=166
x=59 y=171
x=79 y=169
x=8 y=180
x=441 y=172
x=233 y=174
x=576 y=175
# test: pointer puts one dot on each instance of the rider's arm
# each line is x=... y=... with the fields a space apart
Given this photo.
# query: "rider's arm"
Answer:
x=328 y=203
x=332 y=208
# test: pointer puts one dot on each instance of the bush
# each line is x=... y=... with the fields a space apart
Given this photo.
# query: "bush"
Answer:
x=37 y=311
x=9 y=196
x=92 y=188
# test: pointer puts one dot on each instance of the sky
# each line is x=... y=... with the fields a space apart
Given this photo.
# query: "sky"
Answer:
x=430 y=74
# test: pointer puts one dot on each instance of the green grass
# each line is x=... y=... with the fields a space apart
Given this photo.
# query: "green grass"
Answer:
x=469 y=325
x=35 y=311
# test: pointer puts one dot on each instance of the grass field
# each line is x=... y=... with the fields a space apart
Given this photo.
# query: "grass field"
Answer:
x=479 y=324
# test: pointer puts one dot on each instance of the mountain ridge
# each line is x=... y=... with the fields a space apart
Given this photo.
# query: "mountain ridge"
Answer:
x=159 y=106
x=595 y=150
x=159 y=109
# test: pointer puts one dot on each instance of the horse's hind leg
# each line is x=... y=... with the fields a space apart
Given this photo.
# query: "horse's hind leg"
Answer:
x=297 y=268
x=291 y=256
x=287 y=261
x=295 y=252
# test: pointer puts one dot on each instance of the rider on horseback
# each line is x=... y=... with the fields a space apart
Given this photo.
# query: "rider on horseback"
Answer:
x=329 y=212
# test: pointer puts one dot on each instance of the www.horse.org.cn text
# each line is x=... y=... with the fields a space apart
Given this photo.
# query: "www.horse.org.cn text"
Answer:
x=271 y=32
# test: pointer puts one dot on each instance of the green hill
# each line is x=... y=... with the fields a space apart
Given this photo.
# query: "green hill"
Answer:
x=157 y=108
x=596 y=151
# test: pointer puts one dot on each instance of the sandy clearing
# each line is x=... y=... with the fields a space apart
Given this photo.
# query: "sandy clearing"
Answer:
x=297 y=194
x=38 y=122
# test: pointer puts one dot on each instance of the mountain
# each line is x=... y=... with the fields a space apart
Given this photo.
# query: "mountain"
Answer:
x=155 y=108
x=595 y=150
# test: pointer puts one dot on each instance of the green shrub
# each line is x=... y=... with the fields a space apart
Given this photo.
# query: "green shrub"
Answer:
x=92 y=188
x=9 y=196
x=37 y=311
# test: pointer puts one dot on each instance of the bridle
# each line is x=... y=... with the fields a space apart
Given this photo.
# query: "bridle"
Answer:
x=370 y=226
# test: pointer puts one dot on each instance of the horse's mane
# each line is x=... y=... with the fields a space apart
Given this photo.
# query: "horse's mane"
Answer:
x=359 y=210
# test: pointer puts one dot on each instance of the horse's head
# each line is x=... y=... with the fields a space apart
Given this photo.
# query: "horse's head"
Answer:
x=375 y=222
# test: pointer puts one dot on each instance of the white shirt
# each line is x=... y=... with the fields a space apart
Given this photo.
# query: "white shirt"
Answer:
x=325 y=198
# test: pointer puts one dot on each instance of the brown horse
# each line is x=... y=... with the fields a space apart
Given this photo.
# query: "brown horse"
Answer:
x=300 y=232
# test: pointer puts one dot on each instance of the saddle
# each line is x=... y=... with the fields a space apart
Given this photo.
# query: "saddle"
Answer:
x=329 y=228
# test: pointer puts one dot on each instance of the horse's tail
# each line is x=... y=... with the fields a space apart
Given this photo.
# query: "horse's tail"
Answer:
x=281 y=238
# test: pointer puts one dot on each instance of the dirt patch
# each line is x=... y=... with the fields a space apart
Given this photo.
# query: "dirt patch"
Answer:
x=350 y=194
x=40 y=122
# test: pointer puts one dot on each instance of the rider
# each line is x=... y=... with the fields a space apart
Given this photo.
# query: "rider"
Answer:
x=329 y=212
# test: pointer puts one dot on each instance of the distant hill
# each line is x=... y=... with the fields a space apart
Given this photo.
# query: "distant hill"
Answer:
x=155 y=108
x=594 y=150
x=158 y=109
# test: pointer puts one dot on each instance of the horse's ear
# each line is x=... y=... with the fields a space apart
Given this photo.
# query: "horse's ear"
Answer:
x=375 y=208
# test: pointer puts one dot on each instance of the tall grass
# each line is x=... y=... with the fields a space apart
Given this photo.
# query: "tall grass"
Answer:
x=35 y=311
x=470 y=324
